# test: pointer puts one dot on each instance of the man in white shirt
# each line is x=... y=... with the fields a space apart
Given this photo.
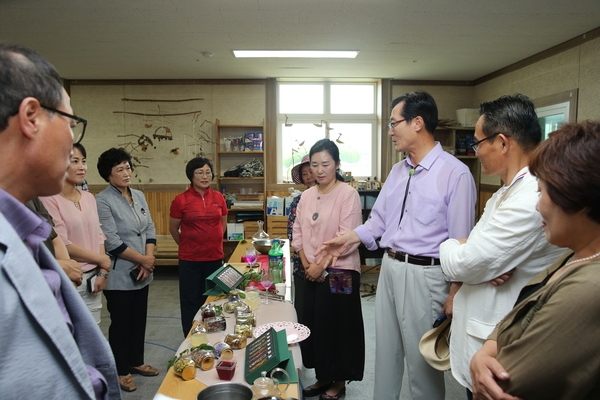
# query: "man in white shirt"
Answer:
x=507 y=247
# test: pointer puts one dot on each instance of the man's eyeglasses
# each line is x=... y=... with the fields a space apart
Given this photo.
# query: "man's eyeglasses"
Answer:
x=475 y=145
x=80 y=124
x=392 y=124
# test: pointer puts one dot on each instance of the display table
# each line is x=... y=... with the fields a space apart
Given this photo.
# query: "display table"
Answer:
x=175 y=387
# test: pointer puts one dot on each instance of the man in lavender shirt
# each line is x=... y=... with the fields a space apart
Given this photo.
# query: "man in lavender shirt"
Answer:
x=427 y=198
x=50 y=346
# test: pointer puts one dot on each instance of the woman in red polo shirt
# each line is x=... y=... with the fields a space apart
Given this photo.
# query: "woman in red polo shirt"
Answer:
x=197 y=221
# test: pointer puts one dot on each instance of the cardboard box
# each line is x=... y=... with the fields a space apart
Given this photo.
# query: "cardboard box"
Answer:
x=275 y=205
x=467 y=116
x=249 y=141
x=235 y=231
x=288 y=201
x=253 y=141
x=258 y=141
x=279 y=356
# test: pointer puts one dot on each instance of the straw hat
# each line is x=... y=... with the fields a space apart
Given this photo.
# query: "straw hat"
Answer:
x=296 y=174
x=435 y=346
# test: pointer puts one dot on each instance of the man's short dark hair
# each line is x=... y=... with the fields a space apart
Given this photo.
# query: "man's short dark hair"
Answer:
x=111 y=158
x=419 y=104
x=24 y=73
x=515 y=117
x=196 y=163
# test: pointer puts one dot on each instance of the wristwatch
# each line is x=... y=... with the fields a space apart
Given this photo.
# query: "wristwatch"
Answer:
x=103 y=274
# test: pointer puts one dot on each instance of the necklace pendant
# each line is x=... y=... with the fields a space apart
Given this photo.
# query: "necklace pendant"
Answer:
x=76 y=205
x=315 y=216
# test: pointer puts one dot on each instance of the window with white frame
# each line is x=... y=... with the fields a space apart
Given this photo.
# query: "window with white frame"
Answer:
x=345 y=112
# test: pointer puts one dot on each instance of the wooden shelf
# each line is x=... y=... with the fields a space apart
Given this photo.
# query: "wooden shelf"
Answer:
x=223 y=153
x=241 y=178
x=225 y=160
x=447 y=136
x=245 y=126
x=456 y=128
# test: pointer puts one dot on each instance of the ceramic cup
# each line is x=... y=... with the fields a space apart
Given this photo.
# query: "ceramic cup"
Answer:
x=280 y=289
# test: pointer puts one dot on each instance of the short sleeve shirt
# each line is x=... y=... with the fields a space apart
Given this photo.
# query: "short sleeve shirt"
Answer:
x=201 y=224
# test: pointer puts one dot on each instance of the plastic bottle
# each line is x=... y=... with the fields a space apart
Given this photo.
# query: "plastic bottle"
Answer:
x=276 y=262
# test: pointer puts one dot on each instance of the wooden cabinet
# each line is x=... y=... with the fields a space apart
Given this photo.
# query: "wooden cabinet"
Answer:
x=238 y=145
x=457 y=140
x=277 y=226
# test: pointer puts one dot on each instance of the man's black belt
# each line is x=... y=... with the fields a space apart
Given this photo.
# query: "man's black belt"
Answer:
x=418 y=260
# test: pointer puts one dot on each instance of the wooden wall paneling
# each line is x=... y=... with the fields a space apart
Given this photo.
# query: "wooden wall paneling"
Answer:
x=159 y=203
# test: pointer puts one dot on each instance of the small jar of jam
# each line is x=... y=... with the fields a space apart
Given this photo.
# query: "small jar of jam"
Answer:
x=185 y=367
x=209 y=311
x=226 y=369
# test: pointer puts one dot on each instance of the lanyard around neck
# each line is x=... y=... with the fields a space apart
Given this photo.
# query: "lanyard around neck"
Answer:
x=411 y=172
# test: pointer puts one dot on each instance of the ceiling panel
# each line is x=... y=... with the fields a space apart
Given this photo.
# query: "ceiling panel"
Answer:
x=407 y=39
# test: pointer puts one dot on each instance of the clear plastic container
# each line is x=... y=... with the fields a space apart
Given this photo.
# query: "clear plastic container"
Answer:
x=226 y=369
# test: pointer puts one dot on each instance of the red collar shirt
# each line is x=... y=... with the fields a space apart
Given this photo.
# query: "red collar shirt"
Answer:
x=201 y=224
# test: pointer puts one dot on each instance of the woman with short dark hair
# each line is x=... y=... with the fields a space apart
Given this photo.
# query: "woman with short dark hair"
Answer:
x=130 y=240
x=198 y=218
x=547 y=347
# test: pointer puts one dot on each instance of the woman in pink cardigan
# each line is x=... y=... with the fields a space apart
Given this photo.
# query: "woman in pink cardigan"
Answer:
x=332 y=308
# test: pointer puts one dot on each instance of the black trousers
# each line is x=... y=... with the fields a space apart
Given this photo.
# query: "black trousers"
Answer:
x=299 y=284
x=192 y=279
x=128 y=310
x=336 y=345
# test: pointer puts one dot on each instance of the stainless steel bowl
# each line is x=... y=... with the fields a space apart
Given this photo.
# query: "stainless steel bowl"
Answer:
x=226 y=391
x=264 y=245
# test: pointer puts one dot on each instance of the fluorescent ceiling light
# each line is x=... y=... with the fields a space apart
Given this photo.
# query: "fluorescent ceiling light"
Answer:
x=294 y=54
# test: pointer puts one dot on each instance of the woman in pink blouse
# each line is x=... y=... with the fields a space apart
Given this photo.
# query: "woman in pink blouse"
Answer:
x=76 y=221
x=332 y=308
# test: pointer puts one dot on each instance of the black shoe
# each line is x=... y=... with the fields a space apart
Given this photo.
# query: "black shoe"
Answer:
x=312 y=391
x=325 y=396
